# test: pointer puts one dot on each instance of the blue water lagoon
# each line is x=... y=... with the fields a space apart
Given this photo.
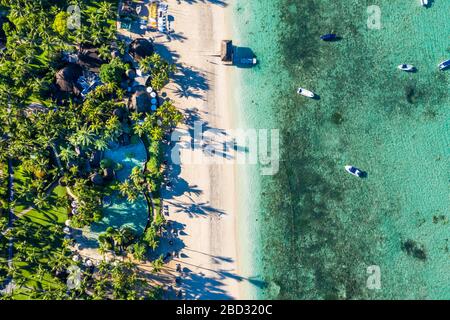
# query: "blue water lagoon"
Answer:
x=318 y=232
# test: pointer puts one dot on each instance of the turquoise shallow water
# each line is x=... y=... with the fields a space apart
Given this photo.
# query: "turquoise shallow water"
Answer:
x=121 y=212
x=318 y=228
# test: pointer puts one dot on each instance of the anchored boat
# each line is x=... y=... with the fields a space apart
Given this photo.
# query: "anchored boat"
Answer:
x=305 y=93
x=424 y=3
x=355 y=171
x=407 y=67
x=329 y=37
x=444 y=65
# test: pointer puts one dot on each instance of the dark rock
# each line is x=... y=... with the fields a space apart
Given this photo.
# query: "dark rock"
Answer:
x=414 y=249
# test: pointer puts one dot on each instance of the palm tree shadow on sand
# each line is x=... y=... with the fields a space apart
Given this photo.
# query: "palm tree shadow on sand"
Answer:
x=221 y=3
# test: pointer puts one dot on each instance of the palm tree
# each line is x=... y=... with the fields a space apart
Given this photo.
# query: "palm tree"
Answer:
x=106 y=10
x=119 y=239
x=40 y=273
x=67 y=154
x=158 y=264
x=138 y=129
x=84 y=137
x=100 y=145
x=139 y=250
x=145 y=64
x=127 y=190
x=159 y=80
x=40 y=201
x=137 y=177
x=104 y=52
x=32 y=255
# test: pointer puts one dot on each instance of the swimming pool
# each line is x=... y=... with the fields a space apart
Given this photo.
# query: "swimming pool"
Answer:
x=119 y=211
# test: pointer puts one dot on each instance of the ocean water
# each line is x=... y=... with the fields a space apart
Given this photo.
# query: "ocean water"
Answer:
x=312 y=231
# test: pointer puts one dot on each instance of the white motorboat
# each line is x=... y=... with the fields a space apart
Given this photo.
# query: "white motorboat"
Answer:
x=305 y=93
x=407 y=67
x=355 y=171
x=424 y=3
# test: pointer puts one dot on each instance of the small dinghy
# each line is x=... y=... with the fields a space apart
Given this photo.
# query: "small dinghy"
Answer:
x=407 y=67
x=444 y=65
x=305 y=93
x=329 y=37
x=355 y=171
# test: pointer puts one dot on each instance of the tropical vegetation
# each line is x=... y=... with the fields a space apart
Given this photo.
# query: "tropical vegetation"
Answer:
x=51 y=144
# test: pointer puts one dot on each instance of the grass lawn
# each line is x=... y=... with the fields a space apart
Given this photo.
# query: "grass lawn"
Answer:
x=40 y=221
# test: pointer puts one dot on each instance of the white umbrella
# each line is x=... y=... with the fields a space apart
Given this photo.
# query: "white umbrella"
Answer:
x=153 y=94
x=66 y=230
x=67 y=223
x=88 y=263
x=149 y=89
x=76 y=258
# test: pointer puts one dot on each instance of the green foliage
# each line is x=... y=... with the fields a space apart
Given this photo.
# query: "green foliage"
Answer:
x=139 y=251
x=158 y=264
x=89 y=203
x=60 y=23
x=36 y=37
x=159 y=70
x=134 y=185
x=112 y=72
x=151 y=237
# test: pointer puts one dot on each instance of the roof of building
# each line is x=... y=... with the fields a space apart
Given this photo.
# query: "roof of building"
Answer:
x=141 y=48
x=140 y=102
x=226 y=52
x=66 y=79
x=89 y=59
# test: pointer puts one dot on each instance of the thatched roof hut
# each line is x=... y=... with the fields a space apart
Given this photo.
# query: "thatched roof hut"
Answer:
x=96 y=157
x=66 y=79
x=140 y=102
x=131 y=73
x=108 y=174
x=119 y=113
x=89 y=59
x=97 y=179
x=226 y=51
x=141 y=48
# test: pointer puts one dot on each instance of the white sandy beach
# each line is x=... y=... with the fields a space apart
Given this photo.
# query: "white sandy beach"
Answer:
x=203 y=199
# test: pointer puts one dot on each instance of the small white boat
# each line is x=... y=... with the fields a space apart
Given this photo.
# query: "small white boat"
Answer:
x=424 y=3
x=249 y=61
x=305 y=93
x=355 y=171
x=407 y=67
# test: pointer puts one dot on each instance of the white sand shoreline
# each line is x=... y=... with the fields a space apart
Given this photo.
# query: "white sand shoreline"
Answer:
x=203 y=199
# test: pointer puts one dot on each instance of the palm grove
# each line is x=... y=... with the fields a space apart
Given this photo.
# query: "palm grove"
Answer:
x=49 y=141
